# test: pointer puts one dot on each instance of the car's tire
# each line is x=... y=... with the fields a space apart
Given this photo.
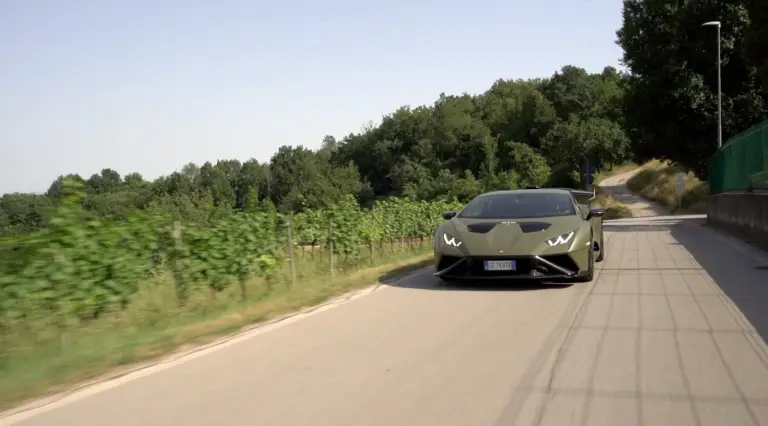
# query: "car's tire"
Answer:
x=601 y=256
x=590 y=275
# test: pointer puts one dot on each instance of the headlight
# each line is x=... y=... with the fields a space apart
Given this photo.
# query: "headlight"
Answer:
x=451 y=241
x=560 y=239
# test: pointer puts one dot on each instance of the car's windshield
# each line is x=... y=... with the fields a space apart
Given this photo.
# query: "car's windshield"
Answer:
x=519 y=205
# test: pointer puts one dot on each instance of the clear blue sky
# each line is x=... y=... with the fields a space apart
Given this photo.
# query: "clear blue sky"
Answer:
x=148 y=86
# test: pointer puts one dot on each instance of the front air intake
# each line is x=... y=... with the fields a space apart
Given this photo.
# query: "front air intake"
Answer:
x=534 y=226
x=481 y=228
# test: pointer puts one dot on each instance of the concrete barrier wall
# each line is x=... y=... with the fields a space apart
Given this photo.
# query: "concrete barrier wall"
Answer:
x=743 y=214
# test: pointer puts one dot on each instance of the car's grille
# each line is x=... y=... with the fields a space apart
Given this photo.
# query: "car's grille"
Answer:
x=525 y=266
x=525 y=227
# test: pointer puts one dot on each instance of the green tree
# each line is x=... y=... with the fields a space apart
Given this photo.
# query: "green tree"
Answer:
x=302 y=179
x=217 y=180
x=25 y=212
x=251 y=184
x=530 y=167
x=109 y=180
x=569 y=142
x=756 y=39
x=571 y=91
x=671 y=101
x=55 y=190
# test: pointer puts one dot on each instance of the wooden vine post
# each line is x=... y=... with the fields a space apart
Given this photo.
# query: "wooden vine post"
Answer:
x=330 y=245
x=290 y=249
x=372 y=233
x=177 y=263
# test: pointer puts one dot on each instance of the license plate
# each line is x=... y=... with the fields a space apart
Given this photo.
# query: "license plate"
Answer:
x=500 y=265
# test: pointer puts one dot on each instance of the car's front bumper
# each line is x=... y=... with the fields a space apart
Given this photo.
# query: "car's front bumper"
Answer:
x=542 y=267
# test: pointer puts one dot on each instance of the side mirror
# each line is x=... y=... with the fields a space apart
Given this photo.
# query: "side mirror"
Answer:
x=595 y=212
x=449 y=215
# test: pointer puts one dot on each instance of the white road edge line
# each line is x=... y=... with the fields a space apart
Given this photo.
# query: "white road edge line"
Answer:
x=45 y=404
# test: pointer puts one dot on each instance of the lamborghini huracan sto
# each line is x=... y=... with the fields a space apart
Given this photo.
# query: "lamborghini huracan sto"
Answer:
x=533 y=233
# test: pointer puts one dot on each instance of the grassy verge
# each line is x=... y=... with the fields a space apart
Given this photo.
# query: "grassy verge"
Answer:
x=613 y=209
x=35 y=364
x=656 y=181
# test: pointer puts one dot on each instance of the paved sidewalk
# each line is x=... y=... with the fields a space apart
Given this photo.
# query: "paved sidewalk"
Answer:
x=656 y=343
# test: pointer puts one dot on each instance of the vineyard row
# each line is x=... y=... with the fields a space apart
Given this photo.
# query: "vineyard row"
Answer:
x=77 y=269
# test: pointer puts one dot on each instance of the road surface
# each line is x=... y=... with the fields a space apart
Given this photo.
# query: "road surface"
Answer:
x=669 y=333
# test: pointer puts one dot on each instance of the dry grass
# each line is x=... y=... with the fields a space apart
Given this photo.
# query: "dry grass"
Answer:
x=153 y=325
x=613 y=209
x=615 y=170
x=656 y=182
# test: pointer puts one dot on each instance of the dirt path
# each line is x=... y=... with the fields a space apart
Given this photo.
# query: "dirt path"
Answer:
x=617 y=187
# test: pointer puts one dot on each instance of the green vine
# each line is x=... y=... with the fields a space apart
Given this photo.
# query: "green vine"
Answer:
x=80 y=268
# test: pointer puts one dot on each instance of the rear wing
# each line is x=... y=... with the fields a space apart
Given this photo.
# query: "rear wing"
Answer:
x=581 y=196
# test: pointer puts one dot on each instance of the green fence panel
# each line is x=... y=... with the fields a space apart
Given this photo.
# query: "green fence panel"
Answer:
x=742 y=163
x=759 y=181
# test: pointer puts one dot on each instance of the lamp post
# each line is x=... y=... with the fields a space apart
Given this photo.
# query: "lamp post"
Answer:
x=719 y=90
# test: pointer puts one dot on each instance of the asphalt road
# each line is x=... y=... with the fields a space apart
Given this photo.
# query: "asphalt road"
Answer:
x=669 y=333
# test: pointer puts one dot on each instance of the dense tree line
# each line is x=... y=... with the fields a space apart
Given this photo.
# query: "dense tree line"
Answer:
x=519 y=132
x=671 y=97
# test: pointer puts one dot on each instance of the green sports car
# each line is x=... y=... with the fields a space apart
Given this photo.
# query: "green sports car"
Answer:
x=531 y=233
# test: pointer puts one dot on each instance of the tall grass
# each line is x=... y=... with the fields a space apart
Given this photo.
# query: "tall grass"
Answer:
x=613 y=209
x=656 y=181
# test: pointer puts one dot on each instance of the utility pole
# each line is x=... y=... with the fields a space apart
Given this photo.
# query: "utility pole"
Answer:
x=719 y=86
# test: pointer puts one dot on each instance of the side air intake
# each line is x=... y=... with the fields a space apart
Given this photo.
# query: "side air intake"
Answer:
x=481 y=228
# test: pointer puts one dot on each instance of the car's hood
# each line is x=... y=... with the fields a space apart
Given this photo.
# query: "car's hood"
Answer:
x=494 y=237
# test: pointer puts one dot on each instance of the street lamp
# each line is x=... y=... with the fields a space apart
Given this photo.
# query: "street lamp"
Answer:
x=719 y=90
